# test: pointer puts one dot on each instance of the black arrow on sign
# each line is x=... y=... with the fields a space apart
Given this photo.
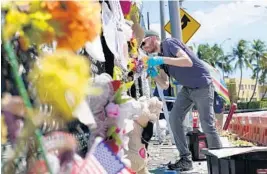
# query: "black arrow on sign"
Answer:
x=185 y=21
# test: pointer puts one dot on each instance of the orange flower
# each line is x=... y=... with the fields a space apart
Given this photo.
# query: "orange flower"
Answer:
x=79 y=21
x=61 y=10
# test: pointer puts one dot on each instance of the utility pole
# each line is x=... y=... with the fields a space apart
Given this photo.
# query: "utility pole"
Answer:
x=174 y=11
x=148 y=22
x=162 y=20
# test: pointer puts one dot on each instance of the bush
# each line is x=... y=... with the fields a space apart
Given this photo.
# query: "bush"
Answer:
x=252 y=105
x=263 y=104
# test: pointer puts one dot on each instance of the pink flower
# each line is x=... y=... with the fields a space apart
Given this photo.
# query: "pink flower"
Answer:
x=112 y=110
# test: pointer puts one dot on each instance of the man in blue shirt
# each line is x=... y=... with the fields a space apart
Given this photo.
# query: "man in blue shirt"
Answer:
x=186 y=68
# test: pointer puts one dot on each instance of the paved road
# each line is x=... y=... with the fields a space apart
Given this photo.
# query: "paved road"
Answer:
x=163 y=154
x=160 y=155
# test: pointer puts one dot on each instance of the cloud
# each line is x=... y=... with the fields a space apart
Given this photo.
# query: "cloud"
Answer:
x=228 y=17
x=156 y=27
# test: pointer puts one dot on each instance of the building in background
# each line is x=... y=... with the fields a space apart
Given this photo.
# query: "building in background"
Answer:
x=231 y=86
x=246 y=89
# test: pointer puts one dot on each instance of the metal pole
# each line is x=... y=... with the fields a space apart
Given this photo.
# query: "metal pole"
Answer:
x=162 y=20
x=148 y=23
x=174 y=10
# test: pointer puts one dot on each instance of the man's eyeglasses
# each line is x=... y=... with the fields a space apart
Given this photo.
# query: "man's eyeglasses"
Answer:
x=142 y=44
x=145 y=40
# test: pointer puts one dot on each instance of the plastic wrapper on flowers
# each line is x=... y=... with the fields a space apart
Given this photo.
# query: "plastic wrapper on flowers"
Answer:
x=70 y=23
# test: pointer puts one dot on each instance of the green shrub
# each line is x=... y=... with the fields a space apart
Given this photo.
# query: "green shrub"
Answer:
x=252 y=105
x=263 y=104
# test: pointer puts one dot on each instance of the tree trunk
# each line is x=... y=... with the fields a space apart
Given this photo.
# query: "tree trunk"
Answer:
x=241 y=75
x=255 y=87
x=264 y=94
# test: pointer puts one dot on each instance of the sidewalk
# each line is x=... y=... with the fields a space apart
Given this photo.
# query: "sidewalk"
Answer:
x=163 y=154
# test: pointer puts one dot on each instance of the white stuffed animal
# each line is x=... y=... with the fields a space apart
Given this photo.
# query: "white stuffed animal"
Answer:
x=137 y=154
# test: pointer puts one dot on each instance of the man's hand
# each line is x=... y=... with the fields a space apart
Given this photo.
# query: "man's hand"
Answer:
x=152 y=72
x=154 y=61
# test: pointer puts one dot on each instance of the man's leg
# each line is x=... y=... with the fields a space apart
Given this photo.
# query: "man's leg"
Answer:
x=203 y=98
x=219 y=121
x=180 y=108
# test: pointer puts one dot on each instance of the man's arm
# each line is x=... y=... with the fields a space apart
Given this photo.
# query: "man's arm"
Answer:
x=162 y=79
x=182 y=61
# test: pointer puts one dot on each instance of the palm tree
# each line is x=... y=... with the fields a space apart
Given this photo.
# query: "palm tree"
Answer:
x=240 y=55
x=214 y=56
x=210 y=54
x=257 y=56
x=204 y=52
x=263 y=76
x=225 y=65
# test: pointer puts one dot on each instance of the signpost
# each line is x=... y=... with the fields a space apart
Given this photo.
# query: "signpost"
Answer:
x=189 y=26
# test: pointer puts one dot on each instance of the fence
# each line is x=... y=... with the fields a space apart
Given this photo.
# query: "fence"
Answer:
x=250 y=126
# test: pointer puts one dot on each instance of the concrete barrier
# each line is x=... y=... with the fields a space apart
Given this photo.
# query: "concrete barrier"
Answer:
x=251 y=126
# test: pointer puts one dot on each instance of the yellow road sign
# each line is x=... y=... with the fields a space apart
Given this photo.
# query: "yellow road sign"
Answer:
x=189 y=26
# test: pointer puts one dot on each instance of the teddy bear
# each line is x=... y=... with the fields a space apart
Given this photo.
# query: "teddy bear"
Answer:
x=113 y=113
x=137 y=154
x=97 y=105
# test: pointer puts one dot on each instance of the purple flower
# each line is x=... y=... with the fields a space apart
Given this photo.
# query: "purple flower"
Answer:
x=112 y=110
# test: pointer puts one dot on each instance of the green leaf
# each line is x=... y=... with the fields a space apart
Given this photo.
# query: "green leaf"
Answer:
x=128 y=85
x=117 y=139
x=111 y=130
x=118 y=95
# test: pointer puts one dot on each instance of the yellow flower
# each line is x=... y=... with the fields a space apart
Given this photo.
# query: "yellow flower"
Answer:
x=131 y=64
x=62 y=80
x=70 y=23
x=32 y=27
x=14 y=25
x=42 y=16
x=134 y=48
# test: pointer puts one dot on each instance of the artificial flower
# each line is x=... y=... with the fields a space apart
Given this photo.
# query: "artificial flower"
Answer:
x=112 y=110
x=70 y=23
x=32 y=27
x=132 y=64
x=118 y=95
x=117 y=73
x=133 y=14
x=116 y=84
x=134 y=48
x=62 y=80
x=80 y=21
x=113 y=132
x=12 y=24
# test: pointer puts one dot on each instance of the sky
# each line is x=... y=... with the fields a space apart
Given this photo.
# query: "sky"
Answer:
x=222 y=22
